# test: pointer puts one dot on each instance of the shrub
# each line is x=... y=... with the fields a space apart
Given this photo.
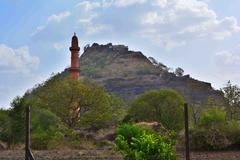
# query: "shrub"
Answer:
x=214 y=133
x=136 y=143
x=209 y=139
x=45 y=127
x=39 y=140
x=128 y=131
x=212 y=116
x=164 y=106
x=5 y=127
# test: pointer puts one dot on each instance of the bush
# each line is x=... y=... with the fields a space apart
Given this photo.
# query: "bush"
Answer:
x=45 y=127
x=40 y=140
x=209 y=139
x=137 y=143
x=5 y=127
x=164 y=106
x=128 y=131
x=213 y=116
x=214 y=133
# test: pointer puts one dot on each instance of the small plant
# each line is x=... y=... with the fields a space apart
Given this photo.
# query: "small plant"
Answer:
x=137 y=143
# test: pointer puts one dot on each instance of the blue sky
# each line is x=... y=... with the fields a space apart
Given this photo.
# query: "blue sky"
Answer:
x=200 y=36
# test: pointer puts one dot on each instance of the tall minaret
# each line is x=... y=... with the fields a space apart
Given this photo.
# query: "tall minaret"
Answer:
x=74 y=69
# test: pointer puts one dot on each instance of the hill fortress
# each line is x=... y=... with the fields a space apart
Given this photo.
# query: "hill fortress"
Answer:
x=128 y=73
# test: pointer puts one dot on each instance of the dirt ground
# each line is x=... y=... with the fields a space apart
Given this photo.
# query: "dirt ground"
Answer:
x=223 y=155
x=95 y=154
x=107 y=155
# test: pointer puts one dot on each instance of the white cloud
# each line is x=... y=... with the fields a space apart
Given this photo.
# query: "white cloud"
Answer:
x=166 y=23
x=124 y=3
x=87 y=23
x=17 y=60
x=55 y=18
x=39 y=29
x=59 y=17
x=59 y=45
x=230 y=57
x=161 y=3
x=179 y=21
x=91 y=5
x=87 y=5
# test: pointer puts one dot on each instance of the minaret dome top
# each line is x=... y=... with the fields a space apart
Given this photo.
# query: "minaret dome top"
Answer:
x=74 y=42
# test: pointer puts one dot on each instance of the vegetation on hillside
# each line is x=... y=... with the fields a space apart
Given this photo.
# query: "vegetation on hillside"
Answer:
x=217 y=127
x=58 y=107
x=79 y=102
x=61 y=106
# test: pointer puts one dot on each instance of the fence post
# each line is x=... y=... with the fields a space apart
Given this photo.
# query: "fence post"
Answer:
x=27 y=132
x=186 y=131
x=28 y=153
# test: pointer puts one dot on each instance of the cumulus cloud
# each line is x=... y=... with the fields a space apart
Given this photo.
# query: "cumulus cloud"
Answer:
x=87 y=5
x=230 y=57
x=17 y=60
x=165 y=23
x=91 y=5
x=179 y=21
x=124 y=3
x=59 y=17
x=87 y=23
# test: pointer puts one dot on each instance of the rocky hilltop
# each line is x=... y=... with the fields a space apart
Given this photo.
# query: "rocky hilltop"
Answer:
x=128 y=73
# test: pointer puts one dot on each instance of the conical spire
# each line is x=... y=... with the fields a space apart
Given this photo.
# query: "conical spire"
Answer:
x=74 y=45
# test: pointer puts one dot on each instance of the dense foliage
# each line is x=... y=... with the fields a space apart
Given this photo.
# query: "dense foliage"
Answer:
x=217 y=128
x=79 y=103
x=5 y=127
x=164 y=106
x=58 y=106
x=12 y=122
x=212 y=116
x=215 y=133
x=232 y=100
x=137 y=143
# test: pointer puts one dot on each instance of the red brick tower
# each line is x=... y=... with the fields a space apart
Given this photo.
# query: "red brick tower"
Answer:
x=74 y=69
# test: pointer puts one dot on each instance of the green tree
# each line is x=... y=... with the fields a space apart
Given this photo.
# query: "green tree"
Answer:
x=45 y=127
x=5 y=126
x=17 y=116
x=212 y=116
x=179 y=72
x=78 y=102
x=214 y=132
x=12 y=122
x=232 y=99
x=164 y=106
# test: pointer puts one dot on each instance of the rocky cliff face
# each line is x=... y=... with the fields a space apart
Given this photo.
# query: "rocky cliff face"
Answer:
x=129 y=73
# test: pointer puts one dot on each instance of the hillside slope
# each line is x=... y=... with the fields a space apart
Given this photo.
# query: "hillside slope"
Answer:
x=129 y=73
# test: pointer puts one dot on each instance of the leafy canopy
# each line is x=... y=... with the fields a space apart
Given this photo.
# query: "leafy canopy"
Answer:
x=79 y=103
x=164 y=106
x=137 y=143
